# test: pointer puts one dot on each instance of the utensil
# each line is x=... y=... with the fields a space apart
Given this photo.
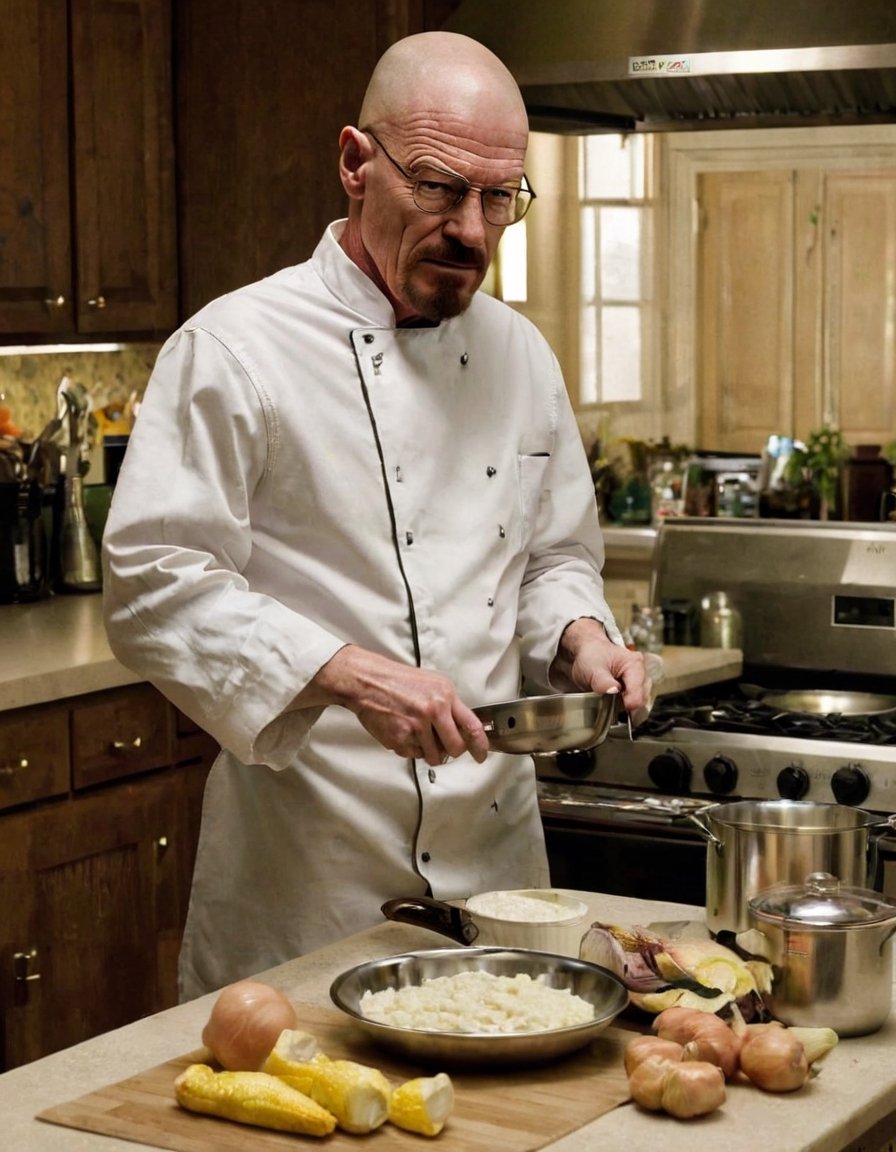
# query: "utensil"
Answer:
x=597 y=985
x=753 y=845
x=823 y=703
x=830 y=947
x=540 y=725
x=473 y=922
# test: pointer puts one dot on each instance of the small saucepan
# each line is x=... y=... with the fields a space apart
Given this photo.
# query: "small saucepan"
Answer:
x=831 y=951
x=543 y=725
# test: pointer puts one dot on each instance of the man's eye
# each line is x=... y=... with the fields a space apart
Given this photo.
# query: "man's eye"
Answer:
x=435 y=188
x=501 y=195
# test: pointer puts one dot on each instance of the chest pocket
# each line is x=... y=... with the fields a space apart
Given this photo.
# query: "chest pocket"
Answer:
x=532 y=471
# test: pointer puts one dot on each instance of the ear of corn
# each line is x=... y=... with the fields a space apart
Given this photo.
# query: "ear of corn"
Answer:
x=357 y=1095
x=423 y=1105
x=251 y=1098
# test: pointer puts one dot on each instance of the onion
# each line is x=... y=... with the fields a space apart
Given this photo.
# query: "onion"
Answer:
x=775 y=1060
x=245 y=1022
x=640 y=1048
x=681 y=1088
x=716 y=1041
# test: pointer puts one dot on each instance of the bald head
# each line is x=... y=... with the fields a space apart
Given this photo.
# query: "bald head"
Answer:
x=443 y=77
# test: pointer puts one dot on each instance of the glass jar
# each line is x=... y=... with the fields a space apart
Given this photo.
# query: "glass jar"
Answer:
x=647 y=629
x=720 y=622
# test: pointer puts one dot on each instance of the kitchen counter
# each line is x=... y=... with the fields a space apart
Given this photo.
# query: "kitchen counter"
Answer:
x=854 y=1093
x=56 y=648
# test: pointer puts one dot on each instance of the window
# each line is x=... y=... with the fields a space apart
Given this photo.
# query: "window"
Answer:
x=616 y=206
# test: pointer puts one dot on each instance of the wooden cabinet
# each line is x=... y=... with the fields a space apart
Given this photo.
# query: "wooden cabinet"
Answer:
x=264 y=89
x=796 y=322
x=97 y=844
x=87 y=204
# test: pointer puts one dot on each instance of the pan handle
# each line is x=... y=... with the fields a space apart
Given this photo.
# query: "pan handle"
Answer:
x=436 y=915
x=696 y=819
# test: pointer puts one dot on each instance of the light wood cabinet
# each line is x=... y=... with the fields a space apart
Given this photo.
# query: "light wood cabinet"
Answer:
x=87 y=204
x=101 y=799
x=796 y=318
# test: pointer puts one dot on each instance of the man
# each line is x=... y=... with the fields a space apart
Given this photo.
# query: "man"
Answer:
x=355 y=505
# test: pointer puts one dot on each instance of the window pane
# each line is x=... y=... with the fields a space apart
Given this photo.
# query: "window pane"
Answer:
x=612 y=167
x=589 y=247
x=620 y=354
x=513 y=256
x=620 y=253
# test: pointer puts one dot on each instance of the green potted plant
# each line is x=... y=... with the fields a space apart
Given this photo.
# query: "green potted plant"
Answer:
x=819 y=462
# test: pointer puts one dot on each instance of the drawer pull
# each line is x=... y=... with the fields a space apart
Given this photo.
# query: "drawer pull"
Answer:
x=24 y=968
x=124 y=746
x=11 y=769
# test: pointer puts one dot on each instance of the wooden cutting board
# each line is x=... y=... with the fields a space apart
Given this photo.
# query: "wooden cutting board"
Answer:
x=516 y=1110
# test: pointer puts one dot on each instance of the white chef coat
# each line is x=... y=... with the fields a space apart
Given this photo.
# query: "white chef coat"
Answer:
x=302 y=475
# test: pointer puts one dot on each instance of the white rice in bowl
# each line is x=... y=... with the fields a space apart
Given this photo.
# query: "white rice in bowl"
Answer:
x=478 y=1001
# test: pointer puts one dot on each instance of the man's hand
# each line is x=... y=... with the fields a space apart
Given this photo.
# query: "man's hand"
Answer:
x=411 y=711
x=591 y=662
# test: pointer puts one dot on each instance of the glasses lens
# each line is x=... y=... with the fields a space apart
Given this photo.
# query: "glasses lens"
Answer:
x=503 y=206
x=432 y=194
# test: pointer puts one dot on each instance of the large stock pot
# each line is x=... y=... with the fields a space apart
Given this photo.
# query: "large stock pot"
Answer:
x=756 y=844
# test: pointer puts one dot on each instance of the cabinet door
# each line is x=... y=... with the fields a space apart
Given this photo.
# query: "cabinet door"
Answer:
x=264 y=89
x=859 y=219
x=88 y=905
x=35 y=247
x=745 y=318
x=124 y=166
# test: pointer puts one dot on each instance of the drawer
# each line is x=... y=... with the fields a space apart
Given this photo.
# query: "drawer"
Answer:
x=119 y=733
x=34 y=762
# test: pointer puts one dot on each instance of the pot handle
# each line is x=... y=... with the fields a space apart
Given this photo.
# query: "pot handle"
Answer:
x=695 y=818
x=436 y=915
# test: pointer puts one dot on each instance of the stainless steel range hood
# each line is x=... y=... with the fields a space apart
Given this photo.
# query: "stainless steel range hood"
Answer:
x=660 y=65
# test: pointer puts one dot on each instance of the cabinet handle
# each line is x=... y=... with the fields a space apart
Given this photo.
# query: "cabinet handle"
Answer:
x=57 y=301
x=11 y=769
x=97 y=302
x=24 y=973
x=161 y=847
x=124 y=746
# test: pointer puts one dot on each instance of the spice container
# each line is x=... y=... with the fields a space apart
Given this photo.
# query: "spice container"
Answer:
x=647 y=629
x=720 y=622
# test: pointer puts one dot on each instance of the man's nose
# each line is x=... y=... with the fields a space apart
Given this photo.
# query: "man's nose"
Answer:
x=466 y=221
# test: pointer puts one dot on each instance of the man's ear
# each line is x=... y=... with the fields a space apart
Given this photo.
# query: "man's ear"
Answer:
x=354 y=151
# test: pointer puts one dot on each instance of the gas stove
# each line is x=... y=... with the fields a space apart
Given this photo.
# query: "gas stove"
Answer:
x=818 y=603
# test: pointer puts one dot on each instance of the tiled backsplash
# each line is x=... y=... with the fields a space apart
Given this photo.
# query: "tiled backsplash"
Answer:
x=29 y=379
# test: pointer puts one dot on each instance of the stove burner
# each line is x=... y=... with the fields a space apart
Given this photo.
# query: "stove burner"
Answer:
x=732 y=714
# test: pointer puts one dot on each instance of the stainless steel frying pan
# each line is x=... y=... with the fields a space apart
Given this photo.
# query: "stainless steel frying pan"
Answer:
x=540 y=725
x=823 y=703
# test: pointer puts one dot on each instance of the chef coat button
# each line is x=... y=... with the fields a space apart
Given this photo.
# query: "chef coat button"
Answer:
x=490 y=471
x=464 y=359
x=409 y=538
x=432 y=775
x=425 y=857
x=501 y=531
x=491 y=601
x=368 y=338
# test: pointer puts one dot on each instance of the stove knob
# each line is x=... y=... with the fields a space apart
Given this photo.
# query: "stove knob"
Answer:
x=850 y=785
x=577 y=764
x=671 y=771
x=720 y=774
x=793 y=782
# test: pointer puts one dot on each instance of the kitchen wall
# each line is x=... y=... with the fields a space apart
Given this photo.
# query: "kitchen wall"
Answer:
x=112 y=374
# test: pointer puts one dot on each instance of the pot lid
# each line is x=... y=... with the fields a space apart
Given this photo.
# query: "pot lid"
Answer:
x=823 y=902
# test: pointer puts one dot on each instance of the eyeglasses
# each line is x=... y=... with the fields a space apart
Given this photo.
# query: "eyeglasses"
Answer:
x=436 y=192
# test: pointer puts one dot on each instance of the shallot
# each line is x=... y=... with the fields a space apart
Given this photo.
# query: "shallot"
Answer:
x=245 y=1023
x=774 y=1060
x=716 y=1041
x=681 y=1088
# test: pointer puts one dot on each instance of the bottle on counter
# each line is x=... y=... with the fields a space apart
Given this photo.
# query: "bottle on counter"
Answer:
x=646 y=629
x=721 y=625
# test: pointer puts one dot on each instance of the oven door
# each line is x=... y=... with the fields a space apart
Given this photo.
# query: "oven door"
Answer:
x=623 y=851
